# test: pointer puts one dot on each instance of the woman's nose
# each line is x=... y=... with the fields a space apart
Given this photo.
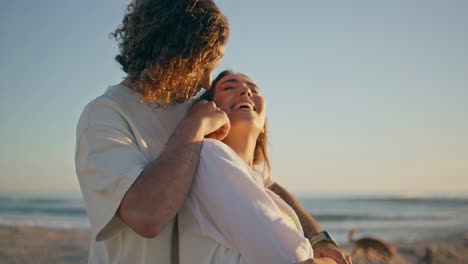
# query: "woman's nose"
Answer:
x=246 y=90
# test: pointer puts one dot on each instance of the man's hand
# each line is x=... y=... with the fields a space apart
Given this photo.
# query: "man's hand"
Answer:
x=213 y=121
x=319 y=261
x=168 y=178
x=327 y=250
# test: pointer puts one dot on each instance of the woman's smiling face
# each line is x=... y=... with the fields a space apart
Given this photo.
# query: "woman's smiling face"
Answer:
x=242 y=101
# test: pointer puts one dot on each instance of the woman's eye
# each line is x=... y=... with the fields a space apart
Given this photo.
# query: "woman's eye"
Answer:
x=228 y=88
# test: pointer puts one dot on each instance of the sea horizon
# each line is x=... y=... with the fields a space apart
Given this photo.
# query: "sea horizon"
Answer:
x=309 y=194
x=396 y=216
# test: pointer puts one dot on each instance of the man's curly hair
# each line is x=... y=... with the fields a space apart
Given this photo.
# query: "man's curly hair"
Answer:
x=166 y=46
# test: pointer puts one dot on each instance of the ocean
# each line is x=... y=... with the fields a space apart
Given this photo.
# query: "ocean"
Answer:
x=393 y=218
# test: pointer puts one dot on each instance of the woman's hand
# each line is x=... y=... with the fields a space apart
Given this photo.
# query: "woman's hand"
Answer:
x=319 y=261
x=326 y=250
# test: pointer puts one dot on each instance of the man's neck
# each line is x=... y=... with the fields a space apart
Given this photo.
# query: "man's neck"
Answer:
x=129 y=84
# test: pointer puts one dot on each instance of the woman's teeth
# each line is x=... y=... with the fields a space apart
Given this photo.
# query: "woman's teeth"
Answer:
x=243 y=105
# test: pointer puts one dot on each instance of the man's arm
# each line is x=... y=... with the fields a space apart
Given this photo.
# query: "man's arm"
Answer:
x=159 y=191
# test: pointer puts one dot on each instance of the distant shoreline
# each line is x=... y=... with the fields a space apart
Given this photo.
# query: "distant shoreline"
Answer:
x=304 y=194
x=41 y=245
x=396 y=218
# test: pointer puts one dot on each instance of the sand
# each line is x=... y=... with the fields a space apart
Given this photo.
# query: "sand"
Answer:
x=38 y=245
x=452 y=249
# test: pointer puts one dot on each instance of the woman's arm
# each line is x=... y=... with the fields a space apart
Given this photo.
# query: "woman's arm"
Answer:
x=242 y=210
x=310 y=227
x=308 y=223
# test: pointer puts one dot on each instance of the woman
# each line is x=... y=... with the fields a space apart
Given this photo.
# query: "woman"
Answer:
x=230 y=216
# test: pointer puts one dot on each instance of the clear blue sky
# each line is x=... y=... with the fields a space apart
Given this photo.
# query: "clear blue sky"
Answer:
x=362 y=95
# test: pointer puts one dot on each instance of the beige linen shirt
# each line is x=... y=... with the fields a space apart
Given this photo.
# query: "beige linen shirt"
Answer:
x=117 y=136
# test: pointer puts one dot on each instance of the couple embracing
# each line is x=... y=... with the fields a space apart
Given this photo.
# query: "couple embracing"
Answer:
x=168 y=177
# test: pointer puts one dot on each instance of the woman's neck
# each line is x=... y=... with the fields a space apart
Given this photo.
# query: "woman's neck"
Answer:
x=243 y=144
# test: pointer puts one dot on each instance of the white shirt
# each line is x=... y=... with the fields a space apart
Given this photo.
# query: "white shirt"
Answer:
x=230 y=217
x=117 y=136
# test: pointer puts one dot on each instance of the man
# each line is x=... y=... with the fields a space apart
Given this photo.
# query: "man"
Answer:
x=138 y=143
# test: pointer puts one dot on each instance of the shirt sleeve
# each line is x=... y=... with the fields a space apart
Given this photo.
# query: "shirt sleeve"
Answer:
x=242 y=210
x=107 y=161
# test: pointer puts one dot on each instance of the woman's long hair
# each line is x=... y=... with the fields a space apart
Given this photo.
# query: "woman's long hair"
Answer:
x=261 y=151
x=166 y=46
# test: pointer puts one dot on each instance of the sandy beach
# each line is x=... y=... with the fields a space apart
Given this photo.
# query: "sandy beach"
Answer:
x=38 y=245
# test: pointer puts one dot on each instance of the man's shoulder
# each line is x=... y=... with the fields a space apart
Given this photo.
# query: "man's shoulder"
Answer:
x=120 y=104
x=111 y=96
x=118 y=96
x=107 y=106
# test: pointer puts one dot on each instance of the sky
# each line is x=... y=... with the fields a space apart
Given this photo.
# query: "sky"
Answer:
x=363 y=96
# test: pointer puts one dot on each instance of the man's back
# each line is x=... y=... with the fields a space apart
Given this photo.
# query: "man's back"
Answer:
x=117 y=136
